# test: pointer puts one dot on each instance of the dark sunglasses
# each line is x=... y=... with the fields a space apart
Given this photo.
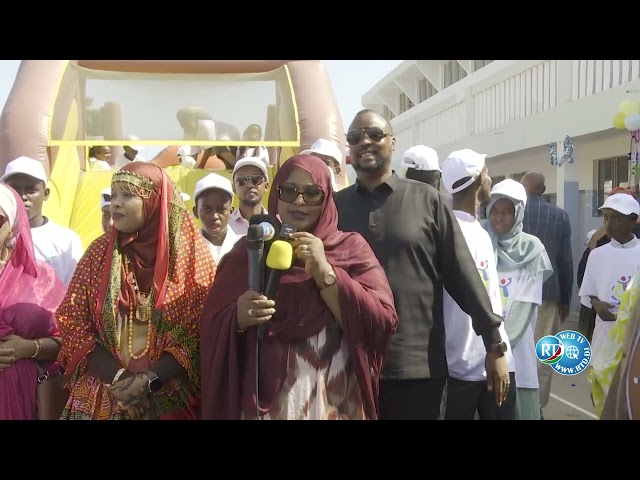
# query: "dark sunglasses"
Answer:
x=374 y=133
x=3 y=220
x=106 y=198
x=256 y=180
x=312 y=195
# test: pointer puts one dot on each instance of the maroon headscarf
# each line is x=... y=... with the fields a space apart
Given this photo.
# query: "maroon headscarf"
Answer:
x=369 y=318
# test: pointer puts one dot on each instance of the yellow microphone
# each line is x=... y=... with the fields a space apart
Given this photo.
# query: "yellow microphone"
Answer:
x=279 y=259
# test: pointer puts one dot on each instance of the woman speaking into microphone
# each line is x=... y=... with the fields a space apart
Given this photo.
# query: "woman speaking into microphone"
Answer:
x=327 y=330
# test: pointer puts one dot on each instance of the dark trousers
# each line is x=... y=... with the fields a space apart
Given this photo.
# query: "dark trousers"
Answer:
x=465 y=398
x=416 y=399
x=587 y=321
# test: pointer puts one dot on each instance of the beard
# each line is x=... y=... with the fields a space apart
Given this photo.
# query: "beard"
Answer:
x=379 y=164
x=251 y=202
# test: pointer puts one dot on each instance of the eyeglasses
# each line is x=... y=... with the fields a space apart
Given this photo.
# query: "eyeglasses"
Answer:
x=312 y=195
x=3 y=220
x=374 y=133
x=256 y=180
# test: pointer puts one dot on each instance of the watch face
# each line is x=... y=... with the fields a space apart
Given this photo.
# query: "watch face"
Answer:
x=329 y=279
x=155 y=385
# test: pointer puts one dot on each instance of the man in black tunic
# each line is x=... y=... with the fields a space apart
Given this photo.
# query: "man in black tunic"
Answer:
x=421 y=247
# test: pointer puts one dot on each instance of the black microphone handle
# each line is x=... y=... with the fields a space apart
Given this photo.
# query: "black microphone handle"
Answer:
x=270 y=291
x=273 y=282
x=255 y=270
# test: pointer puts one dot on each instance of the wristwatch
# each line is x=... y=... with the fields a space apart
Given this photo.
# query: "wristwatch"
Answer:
x=499 y=348
x=328 y=279
x=155 y=384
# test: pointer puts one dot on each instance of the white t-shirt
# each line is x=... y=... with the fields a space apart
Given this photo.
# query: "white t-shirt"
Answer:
x=59 y=246
x=609 y=270
x=465 y=349
x=219 y=251
x=514 y=286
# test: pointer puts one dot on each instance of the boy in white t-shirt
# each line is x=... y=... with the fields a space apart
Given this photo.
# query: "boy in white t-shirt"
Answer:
x=59 y=246
x=611 y=267
x=465 y=176
x=213 y=199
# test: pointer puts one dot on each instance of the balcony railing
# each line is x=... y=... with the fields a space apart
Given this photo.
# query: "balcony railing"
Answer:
x=502 y=93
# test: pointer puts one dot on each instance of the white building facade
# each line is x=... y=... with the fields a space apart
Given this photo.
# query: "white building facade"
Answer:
x=517 y=112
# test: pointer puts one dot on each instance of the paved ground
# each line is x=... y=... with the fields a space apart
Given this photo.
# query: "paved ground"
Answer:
x=570 y=394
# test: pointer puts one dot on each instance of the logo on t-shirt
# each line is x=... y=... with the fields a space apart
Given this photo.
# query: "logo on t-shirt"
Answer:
x=618 y=289
x=483 y=266
x=504 y=292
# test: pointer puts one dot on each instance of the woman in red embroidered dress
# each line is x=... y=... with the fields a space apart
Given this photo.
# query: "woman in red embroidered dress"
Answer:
x=129 y=321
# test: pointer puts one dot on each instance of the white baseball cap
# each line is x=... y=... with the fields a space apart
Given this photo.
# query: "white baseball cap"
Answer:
x=512 y=189
x=254 y=161
x=213 y=181
x=27 y=166
x=105 y=198
x=325 y=147
x=421 y=157
x=590 y=234
x=462 y=164
x=623 y=203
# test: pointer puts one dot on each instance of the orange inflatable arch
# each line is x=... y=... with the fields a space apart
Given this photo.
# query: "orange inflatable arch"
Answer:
x=58 y=108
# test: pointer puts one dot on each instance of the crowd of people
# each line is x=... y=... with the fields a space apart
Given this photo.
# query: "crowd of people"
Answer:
x=398 y=301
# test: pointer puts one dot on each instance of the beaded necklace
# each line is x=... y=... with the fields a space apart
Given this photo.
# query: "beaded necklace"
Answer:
x=142 y=312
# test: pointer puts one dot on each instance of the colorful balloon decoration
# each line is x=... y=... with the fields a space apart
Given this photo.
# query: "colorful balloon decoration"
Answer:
x=628 y=118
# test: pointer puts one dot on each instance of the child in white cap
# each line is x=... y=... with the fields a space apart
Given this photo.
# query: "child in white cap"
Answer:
x=105 y=209
x=59 y=246
x=610 y=268
x=213 y=199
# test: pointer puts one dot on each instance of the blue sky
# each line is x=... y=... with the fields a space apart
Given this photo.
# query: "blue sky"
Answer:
x=350 y=80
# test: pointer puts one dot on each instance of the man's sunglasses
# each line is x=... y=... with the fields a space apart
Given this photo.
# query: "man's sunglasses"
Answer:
x=374 y=133
x=242 y=180
x=3 y=220
x=312 y=195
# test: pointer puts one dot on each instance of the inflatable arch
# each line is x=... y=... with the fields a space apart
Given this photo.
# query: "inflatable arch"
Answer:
x=57 y=109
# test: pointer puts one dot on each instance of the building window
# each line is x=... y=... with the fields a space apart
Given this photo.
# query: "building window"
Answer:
x=517 y=176
x=610 y=173
x=478 y=64
x=497 y=179
x=404 y=103
x=453 y=73
x=425 y=90
x=387 y=113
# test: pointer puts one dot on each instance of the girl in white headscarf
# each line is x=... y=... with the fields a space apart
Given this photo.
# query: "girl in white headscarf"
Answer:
x=523 y=266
